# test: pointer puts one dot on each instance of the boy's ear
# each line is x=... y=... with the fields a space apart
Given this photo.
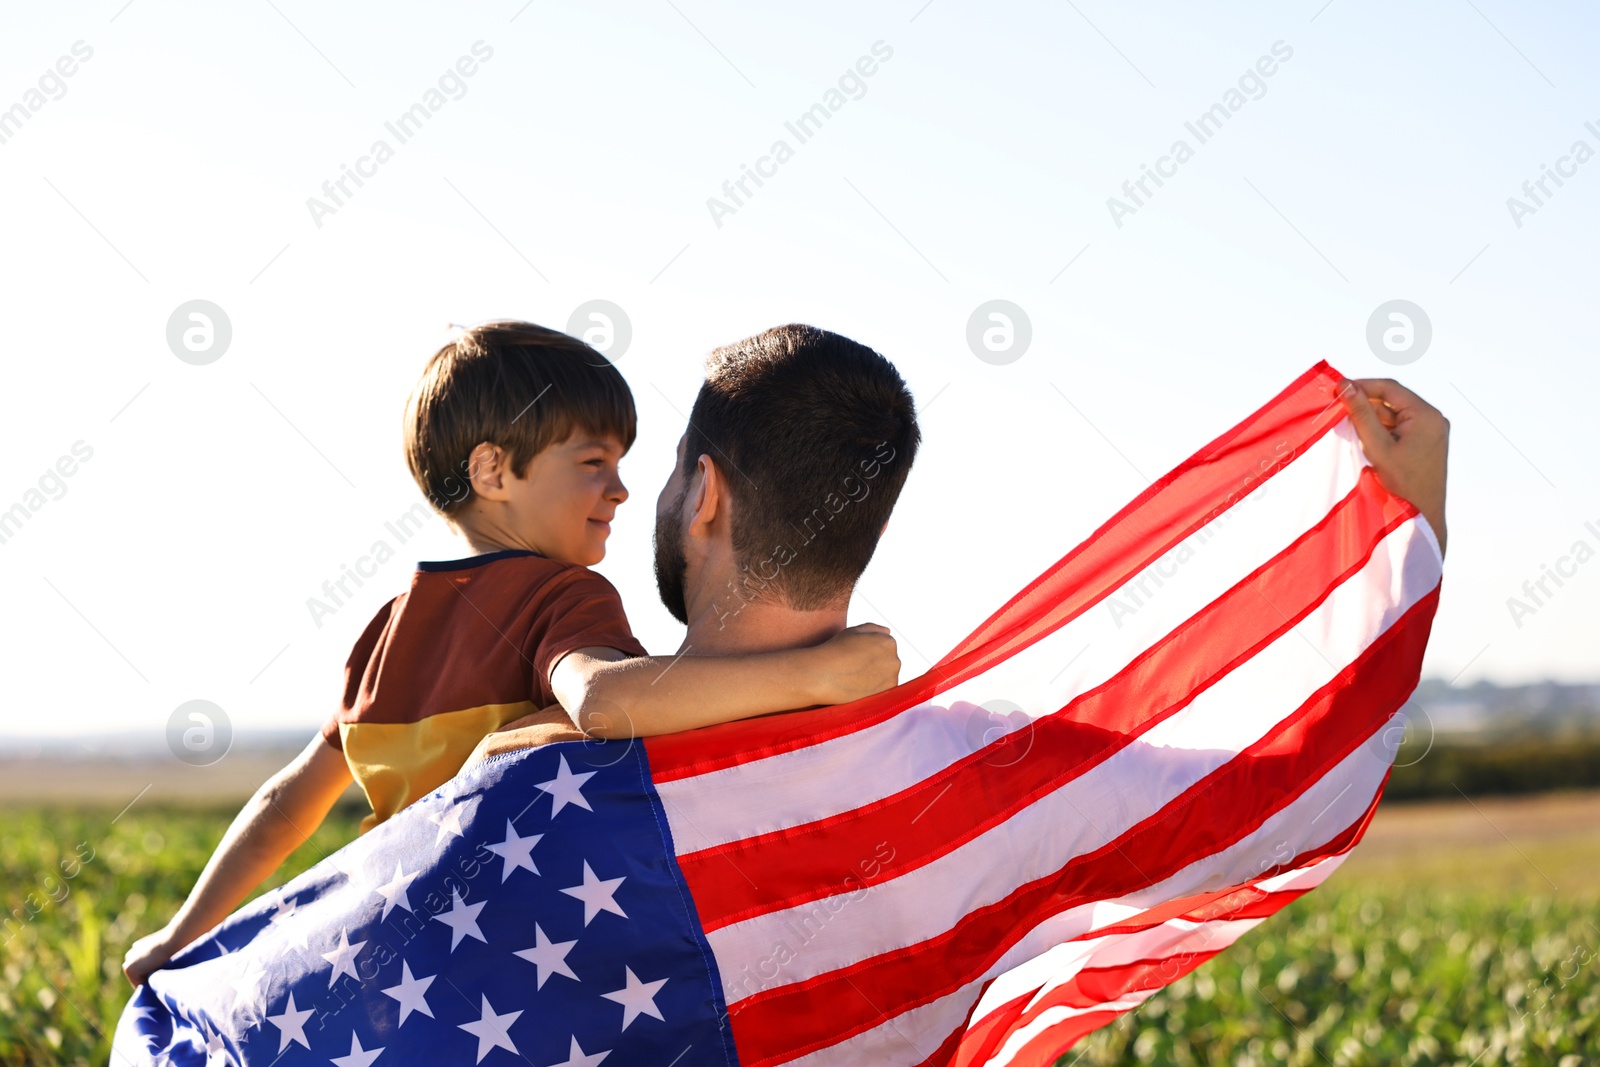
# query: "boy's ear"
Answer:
x=487 y=470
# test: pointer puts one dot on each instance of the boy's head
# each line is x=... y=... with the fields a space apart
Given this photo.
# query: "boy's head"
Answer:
x=514 y=433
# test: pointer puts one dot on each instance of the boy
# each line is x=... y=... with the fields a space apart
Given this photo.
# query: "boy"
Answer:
x=514 y=433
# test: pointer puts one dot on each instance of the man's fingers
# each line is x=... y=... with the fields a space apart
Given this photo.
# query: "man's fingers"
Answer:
x=1385 y=413
x=1392 y=393
x=870 y=627
x=1375 y=437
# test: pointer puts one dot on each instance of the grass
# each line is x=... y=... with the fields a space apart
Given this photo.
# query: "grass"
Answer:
x=1359 y=975
x=79 y=889
x=1444 y=940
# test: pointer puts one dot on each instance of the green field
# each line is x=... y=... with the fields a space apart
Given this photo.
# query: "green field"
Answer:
x=1459 y=933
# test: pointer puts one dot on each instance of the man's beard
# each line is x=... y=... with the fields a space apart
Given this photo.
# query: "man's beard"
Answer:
x=671 y=562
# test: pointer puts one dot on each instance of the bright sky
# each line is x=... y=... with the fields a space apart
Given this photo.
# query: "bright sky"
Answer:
x=575 y=162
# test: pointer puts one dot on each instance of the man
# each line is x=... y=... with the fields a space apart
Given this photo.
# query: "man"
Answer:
x=750 y=554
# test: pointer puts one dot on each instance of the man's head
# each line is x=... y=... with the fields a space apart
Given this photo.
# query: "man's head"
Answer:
x=800 y=440
x=514 y=433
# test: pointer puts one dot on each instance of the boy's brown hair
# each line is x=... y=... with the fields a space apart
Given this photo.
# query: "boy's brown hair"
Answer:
x=513 y=384
x=815 y=435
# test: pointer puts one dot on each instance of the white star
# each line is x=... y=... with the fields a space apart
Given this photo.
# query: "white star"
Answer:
x=215 y=1047
x=343 y=958
x=577 y=1058
x=394 y=892
x=246 y=1001
x=549 y=956
x=462 y=918
x=637 y=998
x=294 y=933
x=348 y=861
x=291 y=1025
x=515 y=851
x=449 y=822
x=566 y=788
x=596 y=894
x=410 y=993
x=359 y=1057
x=491 y=1030
x=298 y=935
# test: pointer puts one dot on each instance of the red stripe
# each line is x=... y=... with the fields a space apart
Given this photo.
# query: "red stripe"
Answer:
x=1218 y=811
x=951 y=1045
x=1044 y=1048
x=1070 y=1030
x=1170 y=510
x=1228 y=469
x=981 y=1039
x=1088 y=988
x=788 y=867
x=1242 y=901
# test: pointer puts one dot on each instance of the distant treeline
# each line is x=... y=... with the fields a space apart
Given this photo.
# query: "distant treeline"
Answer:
x=1530 y=766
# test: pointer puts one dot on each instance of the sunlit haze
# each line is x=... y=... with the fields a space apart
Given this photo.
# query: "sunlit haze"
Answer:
x=196 y=153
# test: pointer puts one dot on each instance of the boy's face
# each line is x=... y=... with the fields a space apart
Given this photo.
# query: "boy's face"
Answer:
x=564 y=502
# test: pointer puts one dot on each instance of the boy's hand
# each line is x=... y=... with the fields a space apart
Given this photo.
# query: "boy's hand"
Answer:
x=148 y=954
x=1407 y=440
x=857 y=662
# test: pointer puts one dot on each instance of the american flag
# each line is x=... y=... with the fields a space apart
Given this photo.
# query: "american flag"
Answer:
x=1178 y=728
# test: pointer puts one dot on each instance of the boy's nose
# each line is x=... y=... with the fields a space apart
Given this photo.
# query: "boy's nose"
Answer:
x=619 y=492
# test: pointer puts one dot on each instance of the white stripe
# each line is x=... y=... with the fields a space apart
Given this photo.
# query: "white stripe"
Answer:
x=911 y=1036
x=1174 y=938
x=1059 y=964
x=1054 y=1016
x=899 y=1041
x=811 y=783
x=1096 y=807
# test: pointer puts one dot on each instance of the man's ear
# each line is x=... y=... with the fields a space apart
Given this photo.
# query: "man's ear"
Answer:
x=708 y=497
x=488 y=467
x=884 y=530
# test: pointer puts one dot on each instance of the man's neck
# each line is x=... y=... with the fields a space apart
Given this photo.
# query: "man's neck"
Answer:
x=757 y=626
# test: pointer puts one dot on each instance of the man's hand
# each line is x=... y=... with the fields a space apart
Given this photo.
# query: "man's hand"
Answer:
x=858 y=662
x=1406 y=438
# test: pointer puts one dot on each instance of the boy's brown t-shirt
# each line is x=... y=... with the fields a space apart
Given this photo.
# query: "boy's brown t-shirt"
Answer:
x=467 y=648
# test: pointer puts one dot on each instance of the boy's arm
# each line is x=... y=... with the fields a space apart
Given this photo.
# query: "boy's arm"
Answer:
x=287 y=808
x=612 y=695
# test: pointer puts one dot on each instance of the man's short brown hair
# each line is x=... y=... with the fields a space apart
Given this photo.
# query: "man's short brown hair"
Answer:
x=513 y=384
x=815 y=435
